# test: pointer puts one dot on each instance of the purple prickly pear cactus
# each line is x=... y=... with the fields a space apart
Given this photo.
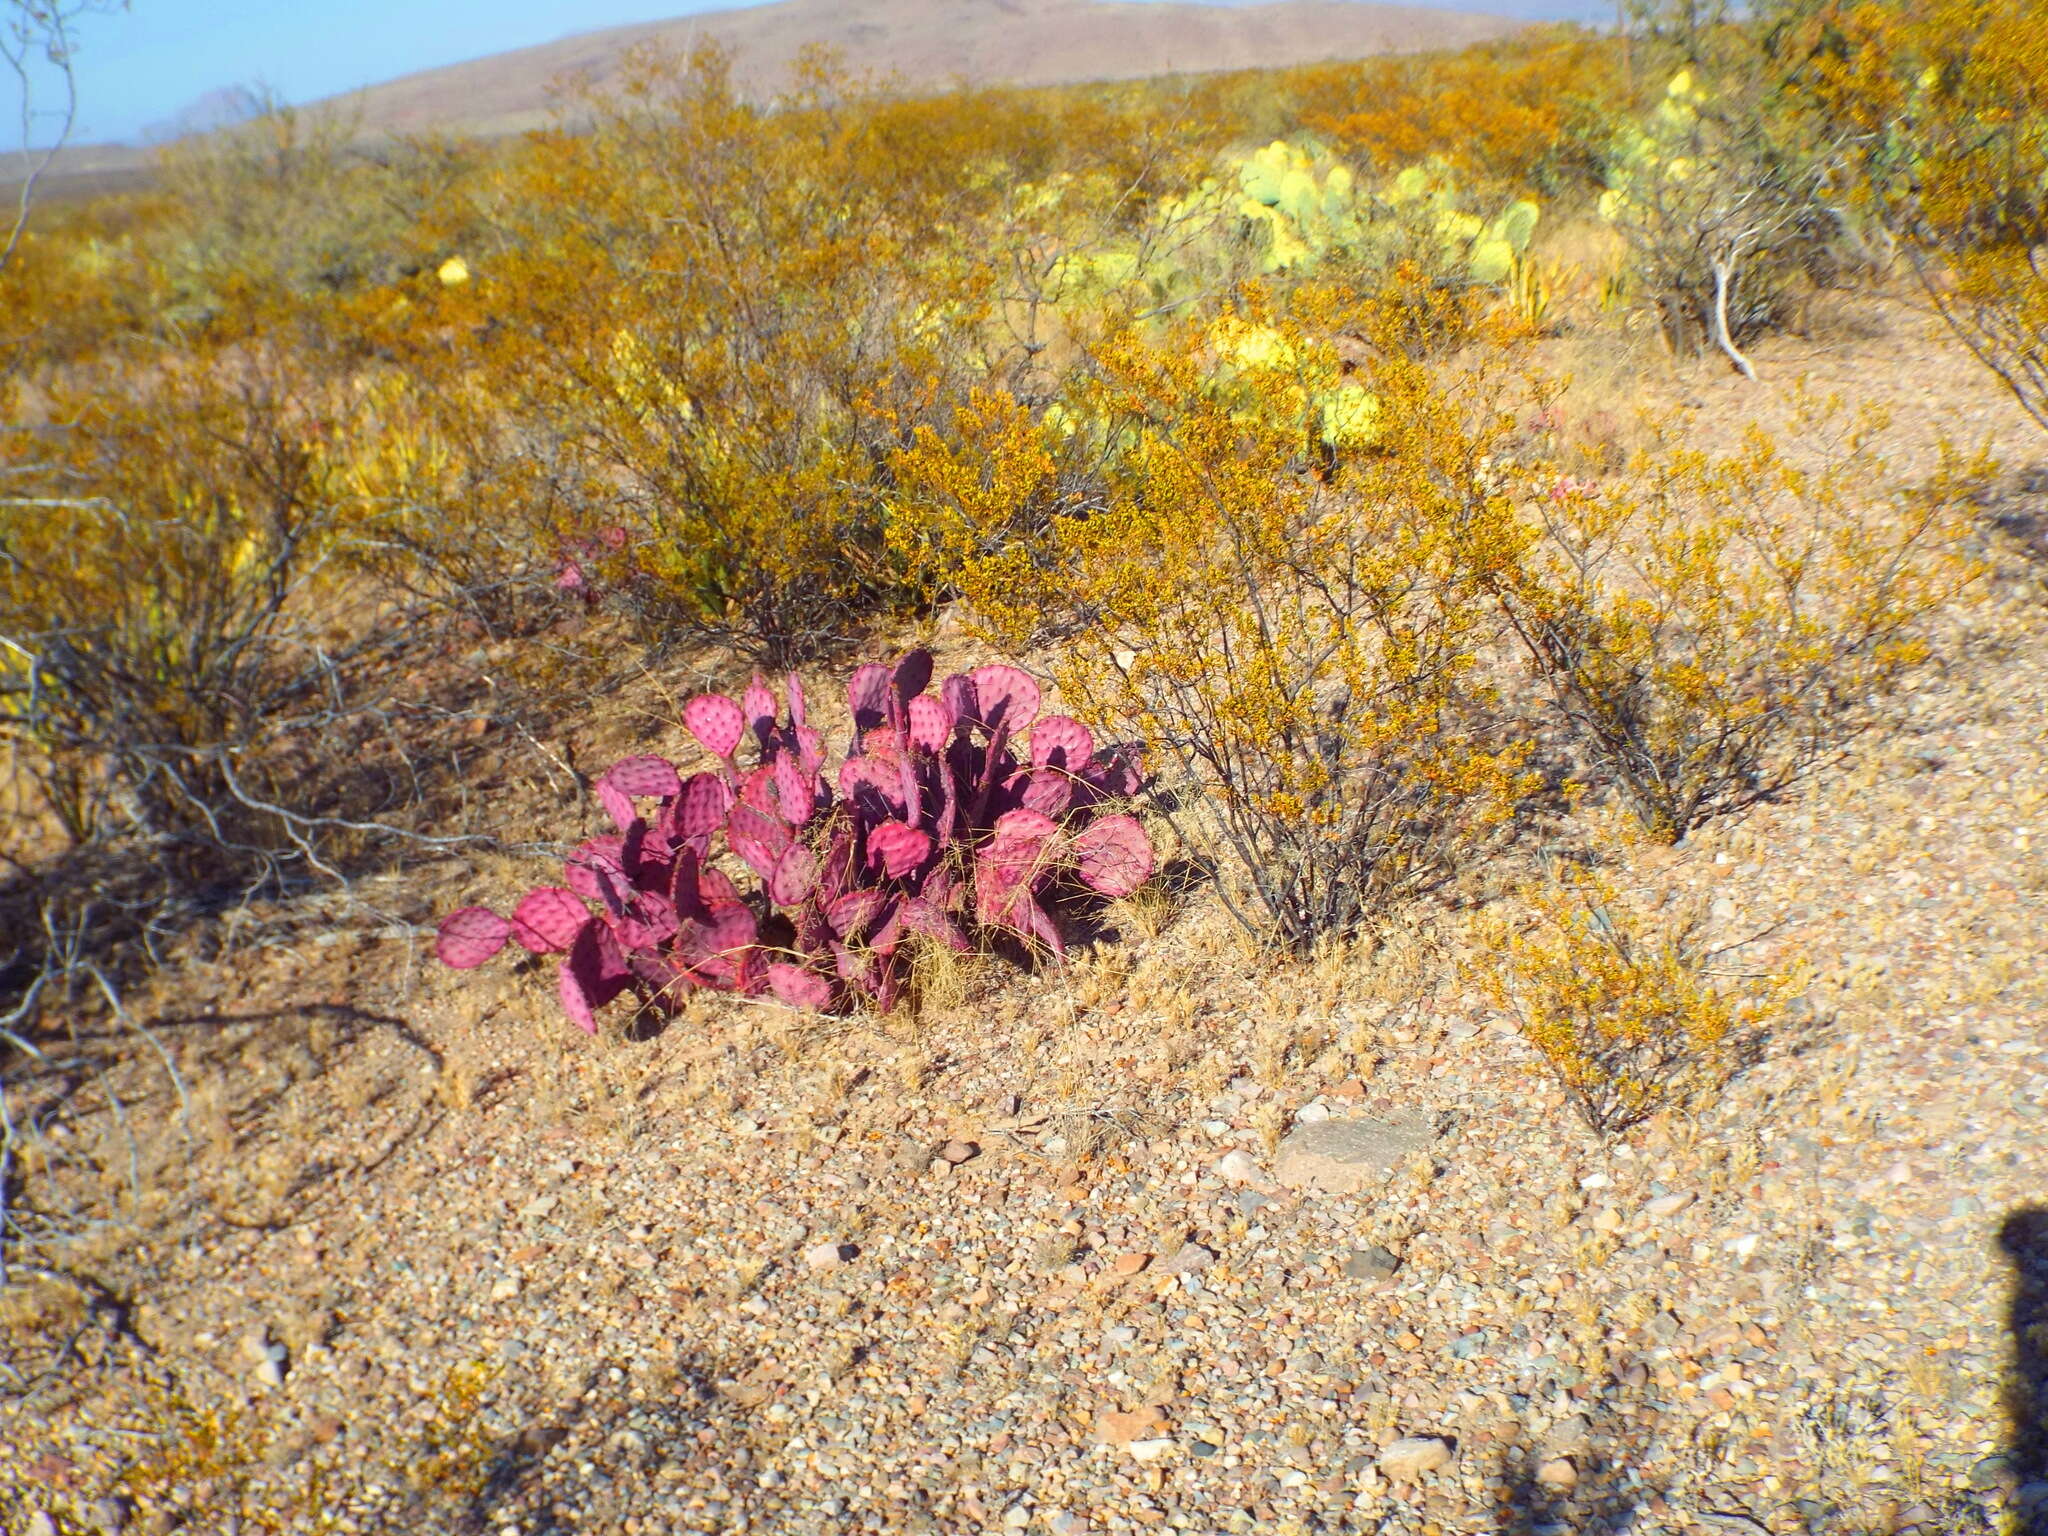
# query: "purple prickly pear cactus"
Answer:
x=715 y=721
x=466 y=939
x=934 y=827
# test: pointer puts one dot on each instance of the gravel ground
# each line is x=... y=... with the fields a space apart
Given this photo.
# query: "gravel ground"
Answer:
x=1045 y=1261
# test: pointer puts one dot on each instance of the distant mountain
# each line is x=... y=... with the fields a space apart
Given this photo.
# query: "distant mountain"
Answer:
x=930 y=44
x=927 y=44
x=222 y=107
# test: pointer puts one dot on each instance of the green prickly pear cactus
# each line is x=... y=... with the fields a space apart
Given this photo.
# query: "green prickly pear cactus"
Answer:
x=1645 y=153
x=1495 y=250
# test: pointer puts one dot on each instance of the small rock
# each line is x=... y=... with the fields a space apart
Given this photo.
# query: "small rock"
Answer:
x=505 y=1289
x=110 y=1516
x=958 y=1152
x=1313 y=1114
x=1238 y=1167
x=1341 y=1157
x=1558 y=1475
x=40 y=1524
x=1609 y=1220
x=1411 y=1456
x=1016 y=1517
x=1120 y=1429
x=830 y=1255
x=1130 y=1263
x=1666 y=1206
x=1149 y=1450
x=1993 y=1472
x=1066 y=1523
x=271 y=1373
x=1374 y=1265
x=256 y=1346
x=539 y=1439
x=1251 y=1202
x=1191 y=1259
x=1568 y=1434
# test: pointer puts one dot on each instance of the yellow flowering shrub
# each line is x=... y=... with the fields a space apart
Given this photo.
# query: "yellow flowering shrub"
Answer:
x=1621 y=997
x=1294 y=630
x=1715 y=626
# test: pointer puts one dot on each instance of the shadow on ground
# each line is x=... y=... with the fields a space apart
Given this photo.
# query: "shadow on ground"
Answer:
x=2024 y=1237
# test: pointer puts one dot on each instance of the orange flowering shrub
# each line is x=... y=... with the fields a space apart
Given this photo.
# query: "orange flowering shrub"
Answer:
x=1950 y=100
x=1519 y=113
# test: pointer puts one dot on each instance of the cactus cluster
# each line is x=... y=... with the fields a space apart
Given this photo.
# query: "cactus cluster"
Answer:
x=955 y=817
x=1486 y=249
x=1301 y=209
x=1645 y=154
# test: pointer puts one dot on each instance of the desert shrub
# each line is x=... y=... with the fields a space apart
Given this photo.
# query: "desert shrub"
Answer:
x=1279 y=596
x=285 y=201
x=730 y=317
x=1621 y=997
x=189 y=664
x=1948 y=100
x=1727 y=198
x=1529 y=112
x=1713 y=627
x=953 y=820
x=990 y=486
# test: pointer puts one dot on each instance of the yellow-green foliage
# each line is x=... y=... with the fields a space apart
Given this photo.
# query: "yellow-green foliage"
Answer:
x=216 y=1464
x=1620 y=997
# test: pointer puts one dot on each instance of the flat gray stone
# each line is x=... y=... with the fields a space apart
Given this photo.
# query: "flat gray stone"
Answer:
x=1374 y=1265
x=1342 y=1157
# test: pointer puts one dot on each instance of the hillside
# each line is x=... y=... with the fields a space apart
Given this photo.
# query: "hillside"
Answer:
x=927 y=43
x=932 y=44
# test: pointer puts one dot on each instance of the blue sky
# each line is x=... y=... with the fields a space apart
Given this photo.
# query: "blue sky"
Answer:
x=143 y=66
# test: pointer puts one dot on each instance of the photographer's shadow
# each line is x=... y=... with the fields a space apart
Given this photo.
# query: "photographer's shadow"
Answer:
x=2024 y=1237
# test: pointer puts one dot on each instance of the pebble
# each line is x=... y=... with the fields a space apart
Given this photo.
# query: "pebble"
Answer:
x=40 y=1524
x=958 y=1152
x=830 y=1255
x=1238 y=1167
x=1558 y=1475
x=1666 y=1206
x=1120 y=1429
x=1413 y=1455
x=1190 y=1259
